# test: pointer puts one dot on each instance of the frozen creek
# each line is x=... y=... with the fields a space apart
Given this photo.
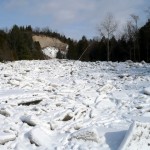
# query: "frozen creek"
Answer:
x=63 y=105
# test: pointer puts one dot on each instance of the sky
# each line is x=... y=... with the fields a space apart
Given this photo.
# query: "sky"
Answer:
x=73 y=18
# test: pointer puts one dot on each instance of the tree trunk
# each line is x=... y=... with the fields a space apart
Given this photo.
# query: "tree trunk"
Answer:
x=130 y=54
x=147 y=52
x=108 y=49
x=134 y=53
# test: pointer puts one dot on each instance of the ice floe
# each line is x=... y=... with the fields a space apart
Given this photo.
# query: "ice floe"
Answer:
x=64 y=104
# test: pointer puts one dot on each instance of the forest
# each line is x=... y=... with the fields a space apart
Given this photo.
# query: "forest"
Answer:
x=133 y=44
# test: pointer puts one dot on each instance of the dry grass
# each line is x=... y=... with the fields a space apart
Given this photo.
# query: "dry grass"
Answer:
x=47 y=41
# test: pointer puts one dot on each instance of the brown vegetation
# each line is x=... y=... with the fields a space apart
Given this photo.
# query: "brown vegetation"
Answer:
x=46 y=41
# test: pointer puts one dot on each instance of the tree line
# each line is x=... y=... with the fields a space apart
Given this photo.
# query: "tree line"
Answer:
x=133 y=44
x=17 y=44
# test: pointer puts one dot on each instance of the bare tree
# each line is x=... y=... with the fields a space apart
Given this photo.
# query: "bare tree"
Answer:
x=135 y=19
x=107 y=28
x=129 y=34
x=147 y=45
x=128 y=30
x=148 y=12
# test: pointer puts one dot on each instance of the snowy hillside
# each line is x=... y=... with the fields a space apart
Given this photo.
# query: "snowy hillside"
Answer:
x=64 y=105
x=51 y=46
x=50 y=52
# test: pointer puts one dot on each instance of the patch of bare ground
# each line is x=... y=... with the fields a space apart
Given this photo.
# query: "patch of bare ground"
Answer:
x=46 y=41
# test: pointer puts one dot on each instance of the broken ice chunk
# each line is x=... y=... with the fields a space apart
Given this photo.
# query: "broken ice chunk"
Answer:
x=30 y=120
x=147 y=91
x=87 y=134
x=6 y=137
x=39 y=137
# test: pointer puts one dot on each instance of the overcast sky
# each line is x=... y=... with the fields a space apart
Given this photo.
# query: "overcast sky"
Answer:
x=72 y=18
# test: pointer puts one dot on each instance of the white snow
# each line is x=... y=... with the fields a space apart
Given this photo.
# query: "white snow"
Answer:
x=62 y=104
x=50 y=52
x=137 y=137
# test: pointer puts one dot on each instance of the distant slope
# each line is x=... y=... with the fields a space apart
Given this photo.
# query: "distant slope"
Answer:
x=46 y=41
x=51 y=46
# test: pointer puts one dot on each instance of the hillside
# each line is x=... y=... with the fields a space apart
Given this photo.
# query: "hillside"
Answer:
x=24 y=43
x=46 y=41
x=51 y=46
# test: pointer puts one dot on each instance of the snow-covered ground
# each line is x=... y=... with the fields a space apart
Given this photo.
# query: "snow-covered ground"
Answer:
x=63 y=105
